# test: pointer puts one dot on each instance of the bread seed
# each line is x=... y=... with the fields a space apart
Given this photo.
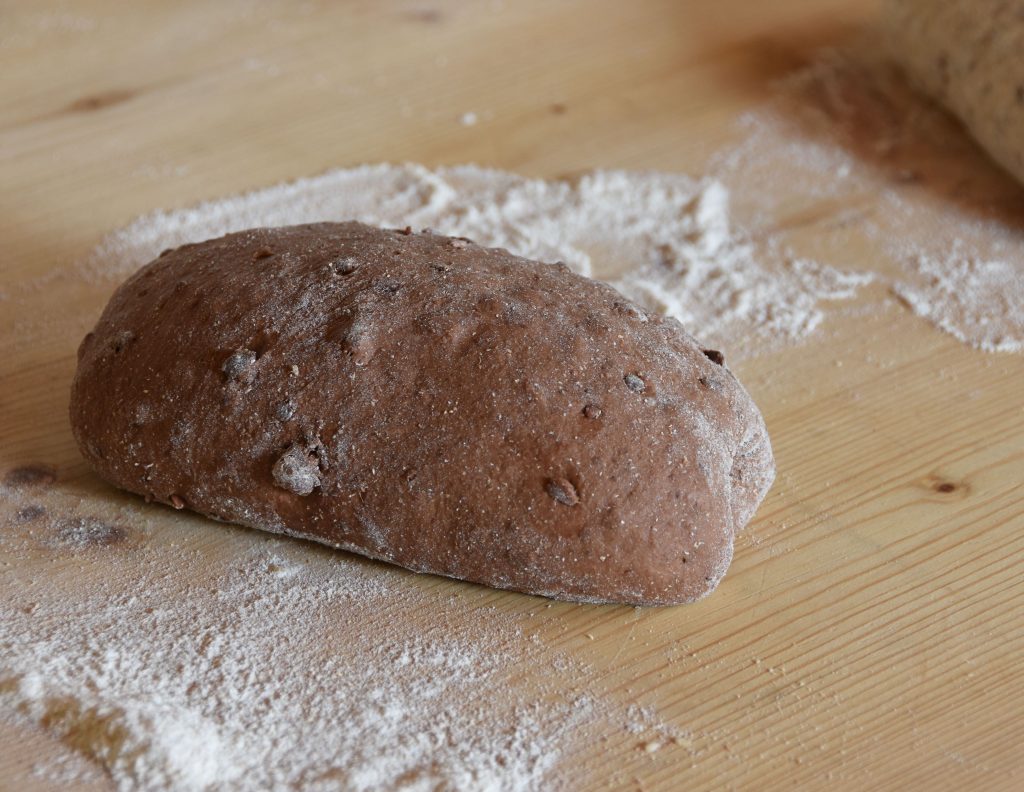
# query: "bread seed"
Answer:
x=238 y=363
x=562 y=491
x=296 y=471
x=344 y=266
x=631 y=310
x=635 y=383
x=121 y=340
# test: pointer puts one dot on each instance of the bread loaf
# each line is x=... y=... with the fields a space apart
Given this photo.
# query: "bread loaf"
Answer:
x=429 y=402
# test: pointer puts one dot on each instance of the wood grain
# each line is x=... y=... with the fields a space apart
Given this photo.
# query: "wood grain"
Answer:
x=869 y=633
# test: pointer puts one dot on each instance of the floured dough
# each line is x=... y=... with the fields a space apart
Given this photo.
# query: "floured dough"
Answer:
x=426 y=401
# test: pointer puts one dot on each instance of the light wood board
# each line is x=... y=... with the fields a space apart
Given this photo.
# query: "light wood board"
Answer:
x=869 y=634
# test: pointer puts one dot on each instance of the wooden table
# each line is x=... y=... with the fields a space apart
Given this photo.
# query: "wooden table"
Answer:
x=869 y=634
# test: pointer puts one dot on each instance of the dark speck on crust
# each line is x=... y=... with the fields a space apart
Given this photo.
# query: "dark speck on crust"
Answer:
x=714 y=356
x=387 y=286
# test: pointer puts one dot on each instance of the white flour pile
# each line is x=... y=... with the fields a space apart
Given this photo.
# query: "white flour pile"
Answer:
x=172 y=688
x=663 y=239
x=980 y=302
x=287 y=667
x=875 y=169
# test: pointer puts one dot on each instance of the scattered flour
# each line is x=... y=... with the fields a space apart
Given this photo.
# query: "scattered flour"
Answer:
x=179 y=672
x=663 y=239
x=864 y=159
x=886 y=177
x=980 y=302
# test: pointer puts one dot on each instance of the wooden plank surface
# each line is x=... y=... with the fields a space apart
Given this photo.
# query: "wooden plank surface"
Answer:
x=869 y=633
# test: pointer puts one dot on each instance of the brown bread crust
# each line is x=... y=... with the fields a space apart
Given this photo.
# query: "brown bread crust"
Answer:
x=429 y=402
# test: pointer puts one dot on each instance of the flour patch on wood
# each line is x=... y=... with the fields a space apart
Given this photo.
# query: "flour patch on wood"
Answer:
x=665 y=240
x=279 y=666
x=220 y=688
x=888 y=182
x=979 y=301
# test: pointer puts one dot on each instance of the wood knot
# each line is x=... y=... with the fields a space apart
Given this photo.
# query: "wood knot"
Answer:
x=29 y=513
x=947 y=488
x=84 y=532
x=101 y=101
x=30 y=476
